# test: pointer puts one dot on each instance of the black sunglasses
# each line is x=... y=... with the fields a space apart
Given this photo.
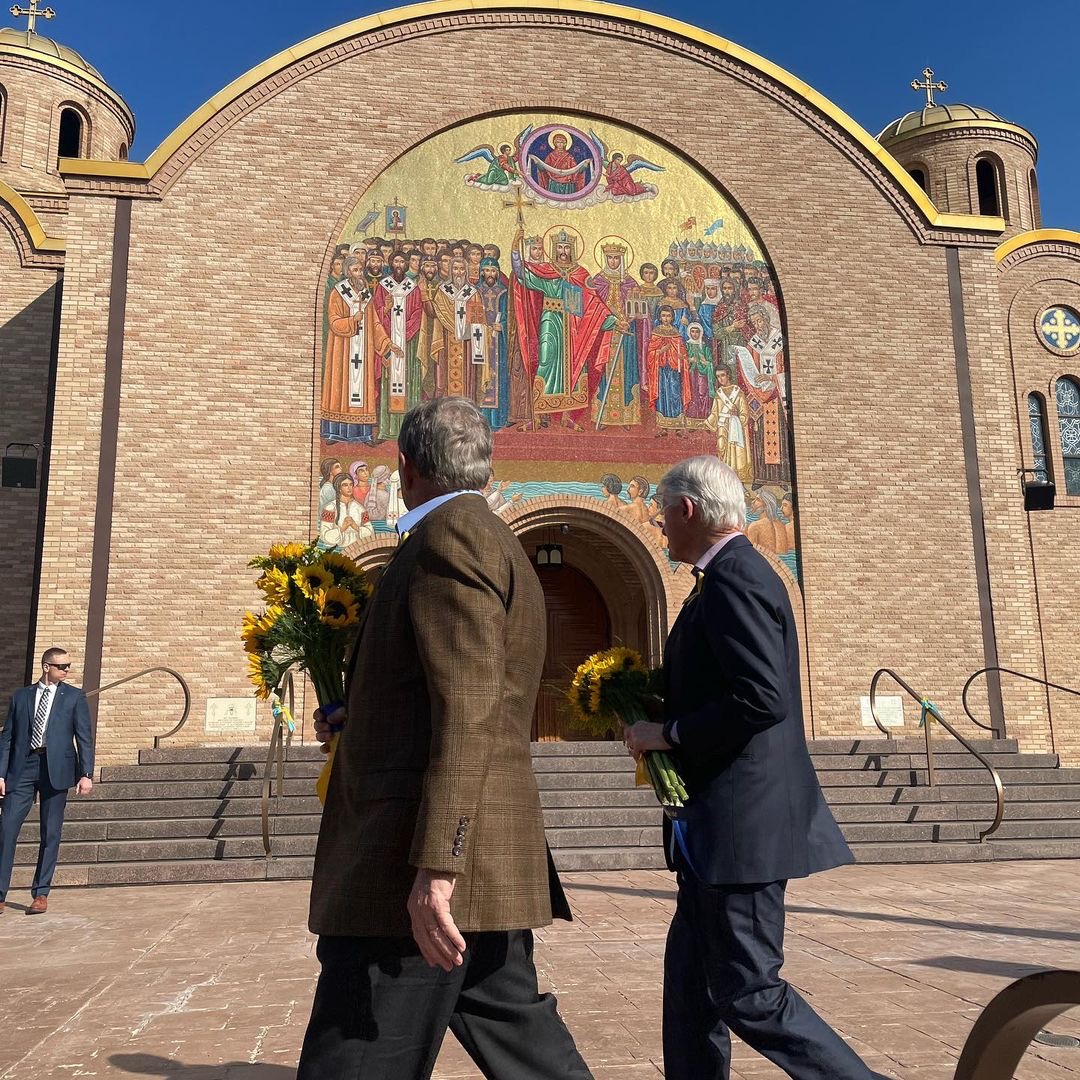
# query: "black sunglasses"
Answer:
x=62 y=667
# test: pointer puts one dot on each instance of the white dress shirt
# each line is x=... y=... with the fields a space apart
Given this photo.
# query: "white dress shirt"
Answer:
x=408 y=522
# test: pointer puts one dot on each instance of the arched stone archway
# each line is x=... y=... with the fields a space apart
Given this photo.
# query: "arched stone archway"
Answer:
x=639 y=584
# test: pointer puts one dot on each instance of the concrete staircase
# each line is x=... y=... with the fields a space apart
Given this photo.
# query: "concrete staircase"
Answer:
x=194 y=814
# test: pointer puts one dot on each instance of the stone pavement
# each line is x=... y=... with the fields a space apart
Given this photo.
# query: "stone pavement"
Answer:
x=193 y=982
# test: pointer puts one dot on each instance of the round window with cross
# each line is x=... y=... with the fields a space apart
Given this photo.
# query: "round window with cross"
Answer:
x=1058 y=328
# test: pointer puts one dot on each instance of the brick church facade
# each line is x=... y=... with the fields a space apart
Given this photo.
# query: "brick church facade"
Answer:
x=902 y=336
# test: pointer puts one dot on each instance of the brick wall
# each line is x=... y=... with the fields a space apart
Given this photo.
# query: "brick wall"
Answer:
x=1027 y=286
x=215 y=441
x=27 y=300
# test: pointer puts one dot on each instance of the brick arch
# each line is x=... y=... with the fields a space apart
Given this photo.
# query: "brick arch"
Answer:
x=36 y=249
x=207 y=124
x=662 y=585
x=14 y=225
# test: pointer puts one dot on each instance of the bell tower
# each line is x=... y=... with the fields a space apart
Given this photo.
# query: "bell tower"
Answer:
x=53 y=104
x=969 y=160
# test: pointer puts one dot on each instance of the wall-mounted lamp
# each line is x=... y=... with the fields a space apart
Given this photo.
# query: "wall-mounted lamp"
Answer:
x=20 y=470
x=1038 y=494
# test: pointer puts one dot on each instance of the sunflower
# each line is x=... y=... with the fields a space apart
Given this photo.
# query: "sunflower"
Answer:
x=252 y=634
x=337 y=607
x=275 y=586
x=293 y=550
x=257 y=674
x=333 y=560
x=313 y=579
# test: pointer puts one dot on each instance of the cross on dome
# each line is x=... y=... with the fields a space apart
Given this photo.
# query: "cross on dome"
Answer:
x=32 y=14
x=929 y=86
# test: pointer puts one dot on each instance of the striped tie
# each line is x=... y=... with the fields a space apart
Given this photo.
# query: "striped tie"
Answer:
x=37 y=736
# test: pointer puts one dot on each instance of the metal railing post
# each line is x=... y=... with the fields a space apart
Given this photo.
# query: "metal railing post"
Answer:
x=928 y=717
x=930 y=713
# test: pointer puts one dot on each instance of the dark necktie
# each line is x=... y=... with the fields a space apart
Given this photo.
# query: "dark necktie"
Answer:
x=37 y=736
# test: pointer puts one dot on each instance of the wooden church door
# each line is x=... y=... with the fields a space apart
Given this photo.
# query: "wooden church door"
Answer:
x=577 y=626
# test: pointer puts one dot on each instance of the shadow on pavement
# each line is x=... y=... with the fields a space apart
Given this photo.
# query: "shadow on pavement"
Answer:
x=946 y=924
x=153 y=1065
x=980 y=966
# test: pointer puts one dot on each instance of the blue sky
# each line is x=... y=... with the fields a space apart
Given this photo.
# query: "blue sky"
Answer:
x=167 y=57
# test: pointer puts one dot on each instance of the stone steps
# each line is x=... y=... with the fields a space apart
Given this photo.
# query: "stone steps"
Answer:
x=195 y=814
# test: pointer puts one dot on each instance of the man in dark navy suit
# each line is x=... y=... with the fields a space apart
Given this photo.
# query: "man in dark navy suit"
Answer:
x=755 y=816
x=46 y=748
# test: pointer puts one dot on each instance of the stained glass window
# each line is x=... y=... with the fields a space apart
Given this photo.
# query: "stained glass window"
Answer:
x=1067 y=393
x=1037 y=418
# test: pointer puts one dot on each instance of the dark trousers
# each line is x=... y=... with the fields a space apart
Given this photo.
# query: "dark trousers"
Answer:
x=725 y=949
x=381 y=1013
x=20 y=797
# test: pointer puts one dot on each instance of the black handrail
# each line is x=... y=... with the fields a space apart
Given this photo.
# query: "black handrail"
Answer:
x=275 y=755
x=1019 y=675
x=931 y=713
x=149 y=671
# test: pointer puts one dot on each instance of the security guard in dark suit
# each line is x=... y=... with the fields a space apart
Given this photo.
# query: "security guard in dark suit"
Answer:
x=46 y=748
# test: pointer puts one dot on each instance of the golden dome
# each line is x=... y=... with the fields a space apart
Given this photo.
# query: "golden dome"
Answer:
x=46 y=46
x=942 y=117
x=24 y=44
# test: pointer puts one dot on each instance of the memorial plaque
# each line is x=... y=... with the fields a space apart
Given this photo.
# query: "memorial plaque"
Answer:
x=226 y=715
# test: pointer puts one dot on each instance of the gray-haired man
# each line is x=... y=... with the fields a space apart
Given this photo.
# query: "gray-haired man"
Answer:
x=432 y=869
x=756 y=816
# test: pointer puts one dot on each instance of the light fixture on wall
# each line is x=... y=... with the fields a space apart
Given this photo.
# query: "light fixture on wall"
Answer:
x=20 y=469
x=1038 y=494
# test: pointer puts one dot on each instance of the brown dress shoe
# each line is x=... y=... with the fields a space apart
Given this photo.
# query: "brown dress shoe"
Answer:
x=39 y=906
x=1 y=907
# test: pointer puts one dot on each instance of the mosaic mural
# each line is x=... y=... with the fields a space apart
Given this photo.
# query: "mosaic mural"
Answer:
x=603 y=304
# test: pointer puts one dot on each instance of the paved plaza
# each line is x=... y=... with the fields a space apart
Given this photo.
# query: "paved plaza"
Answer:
x=214 y=982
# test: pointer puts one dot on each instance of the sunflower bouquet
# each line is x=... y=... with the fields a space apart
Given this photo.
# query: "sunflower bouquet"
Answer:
x=313 y=603
x=610 y=688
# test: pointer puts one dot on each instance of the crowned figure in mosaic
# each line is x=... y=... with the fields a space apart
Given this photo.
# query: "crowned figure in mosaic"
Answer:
x=573 y=326
x=618 y=399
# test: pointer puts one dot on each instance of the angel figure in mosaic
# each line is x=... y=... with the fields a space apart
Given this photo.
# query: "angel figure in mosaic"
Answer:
x=502 y=164
x=619 y=169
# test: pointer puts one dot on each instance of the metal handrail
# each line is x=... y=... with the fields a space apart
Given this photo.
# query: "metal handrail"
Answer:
x=1007 y=1026
x=1019 y=675
x=150 y=671
x=930 y=713
x=275 y=755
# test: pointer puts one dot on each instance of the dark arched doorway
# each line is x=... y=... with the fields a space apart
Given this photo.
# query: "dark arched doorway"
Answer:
x=578 y=624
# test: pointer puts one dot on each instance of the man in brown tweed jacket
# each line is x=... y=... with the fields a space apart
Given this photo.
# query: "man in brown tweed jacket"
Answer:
x=432 y=867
